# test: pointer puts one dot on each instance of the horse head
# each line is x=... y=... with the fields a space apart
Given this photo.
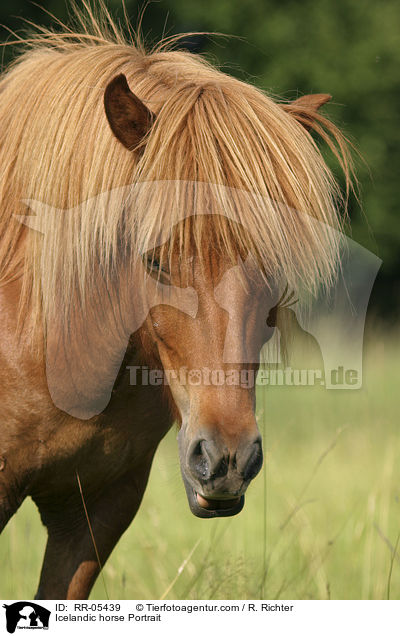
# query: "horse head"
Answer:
x=211 y=357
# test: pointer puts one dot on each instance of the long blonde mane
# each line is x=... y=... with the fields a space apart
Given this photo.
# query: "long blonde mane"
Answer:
x=56 y=148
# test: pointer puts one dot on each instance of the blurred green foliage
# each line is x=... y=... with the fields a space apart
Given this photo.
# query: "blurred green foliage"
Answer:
x=346 y=48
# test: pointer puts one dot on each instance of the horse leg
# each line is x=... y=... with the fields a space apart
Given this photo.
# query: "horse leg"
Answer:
x=11 y=497
x=6 y=511
x=70 y=565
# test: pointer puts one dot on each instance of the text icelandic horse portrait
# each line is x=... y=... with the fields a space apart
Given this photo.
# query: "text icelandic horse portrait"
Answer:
x=155 y=213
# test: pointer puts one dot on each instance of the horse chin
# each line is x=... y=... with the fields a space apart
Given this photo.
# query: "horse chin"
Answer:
x=211 y=508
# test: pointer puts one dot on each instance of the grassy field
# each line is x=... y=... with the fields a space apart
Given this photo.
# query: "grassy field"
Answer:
x=322 y=520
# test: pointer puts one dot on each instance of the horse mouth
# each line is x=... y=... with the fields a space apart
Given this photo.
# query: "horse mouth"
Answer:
x=217 y=504
x=210 y=508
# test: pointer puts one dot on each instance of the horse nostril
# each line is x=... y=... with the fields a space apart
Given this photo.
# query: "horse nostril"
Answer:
x=254 y=462
x=198 y=463
x=206 y=461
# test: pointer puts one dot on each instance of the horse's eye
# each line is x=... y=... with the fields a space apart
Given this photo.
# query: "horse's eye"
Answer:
x=154 y=265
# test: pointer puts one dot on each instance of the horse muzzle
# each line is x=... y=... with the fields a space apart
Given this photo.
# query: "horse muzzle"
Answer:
x=216 y=474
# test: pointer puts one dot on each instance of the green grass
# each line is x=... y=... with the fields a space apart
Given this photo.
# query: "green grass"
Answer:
x=320 y=521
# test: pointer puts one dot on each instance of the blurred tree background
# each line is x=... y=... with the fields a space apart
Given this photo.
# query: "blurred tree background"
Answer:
x=346 y=48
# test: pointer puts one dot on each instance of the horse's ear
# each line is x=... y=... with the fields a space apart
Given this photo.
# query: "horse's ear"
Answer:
x=311 y=102
x=304 y=108
x=129 y=119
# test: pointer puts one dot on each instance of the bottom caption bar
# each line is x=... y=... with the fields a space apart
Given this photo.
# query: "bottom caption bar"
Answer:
x=127 y=617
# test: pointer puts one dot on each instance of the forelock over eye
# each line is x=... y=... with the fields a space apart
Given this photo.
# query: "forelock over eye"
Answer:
x=154 y=265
